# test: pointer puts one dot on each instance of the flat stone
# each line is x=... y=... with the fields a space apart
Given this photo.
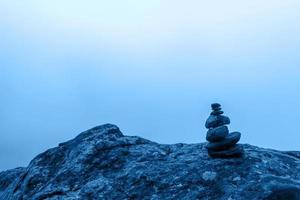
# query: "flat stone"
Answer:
x=228 y=142
x=217 y=134
x=235 y=151
x=215 y=106
x=217 y=112
x=214 y=121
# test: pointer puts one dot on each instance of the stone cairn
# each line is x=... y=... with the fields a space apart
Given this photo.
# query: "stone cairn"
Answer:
x=222 y=144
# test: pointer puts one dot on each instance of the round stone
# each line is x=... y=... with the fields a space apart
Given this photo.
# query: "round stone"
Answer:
x=235 y=151
x=215 y=106
x=226 y=143
x=217 y=134
x=214 y=121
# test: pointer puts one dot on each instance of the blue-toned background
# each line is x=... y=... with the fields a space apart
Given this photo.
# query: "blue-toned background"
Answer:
x=151 y=67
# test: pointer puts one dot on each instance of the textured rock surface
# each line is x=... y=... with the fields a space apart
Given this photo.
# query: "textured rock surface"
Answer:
x=101 y=163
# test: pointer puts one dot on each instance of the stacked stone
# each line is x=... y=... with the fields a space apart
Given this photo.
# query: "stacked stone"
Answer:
x=222 y=144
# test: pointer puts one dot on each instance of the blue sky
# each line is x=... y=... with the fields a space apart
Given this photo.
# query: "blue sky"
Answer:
x=151 y=67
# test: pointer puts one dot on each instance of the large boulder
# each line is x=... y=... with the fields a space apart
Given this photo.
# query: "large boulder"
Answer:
x=102 y=163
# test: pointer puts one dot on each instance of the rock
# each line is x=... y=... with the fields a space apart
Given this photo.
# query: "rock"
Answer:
x=217 y=112
x=235 y=151
x=226 y=143
x=214 y=121
x=217 y=134
x=102 y=163
x=217 y=109
x=215 y=106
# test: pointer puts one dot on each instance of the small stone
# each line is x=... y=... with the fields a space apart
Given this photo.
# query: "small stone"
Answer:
x=215 y=106
x=217 y=109
x=228 y=142
x=209 y=176
x=235 y=151
x=217 y=134
x=217 y=112
x=214 y=121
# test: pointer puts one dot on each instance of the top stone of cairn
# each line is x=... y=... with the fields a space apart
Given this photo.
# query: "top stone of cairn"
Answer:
x=216 y=106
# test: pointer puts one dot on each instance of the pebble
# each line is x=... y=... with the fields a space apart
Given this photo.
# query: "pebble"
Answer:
x=217 y=112
x=215 y=106
x=209 y=175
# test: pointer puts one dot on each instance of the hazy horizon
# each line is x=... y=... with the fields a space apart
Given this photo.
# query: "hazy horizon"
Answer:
x=152 y=68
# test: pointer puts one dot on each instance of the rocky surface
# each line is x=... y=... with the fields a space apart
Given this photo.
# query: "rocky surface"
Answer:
x=102 y=163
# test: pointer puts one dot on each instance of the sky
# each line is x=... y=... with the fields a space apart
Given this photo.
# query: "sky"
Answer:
x=151 y=67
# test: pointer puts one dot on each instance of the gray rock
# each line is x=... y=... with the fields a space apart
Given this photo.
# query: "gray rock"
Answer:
x=215 y=106
x=102 y=163
x=214 y=121
x=226 y=143
x=234 y=151
x=217 y=112
x=217 y=134
x=217 y=109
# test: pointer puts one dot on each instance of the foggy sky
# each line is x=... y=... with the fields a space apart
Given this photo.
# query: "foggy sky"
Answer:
x=150 y=67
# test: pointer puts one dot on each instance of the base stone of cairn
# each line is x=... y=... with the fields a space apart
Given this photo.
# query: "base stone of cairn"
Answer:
x=222 y=144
